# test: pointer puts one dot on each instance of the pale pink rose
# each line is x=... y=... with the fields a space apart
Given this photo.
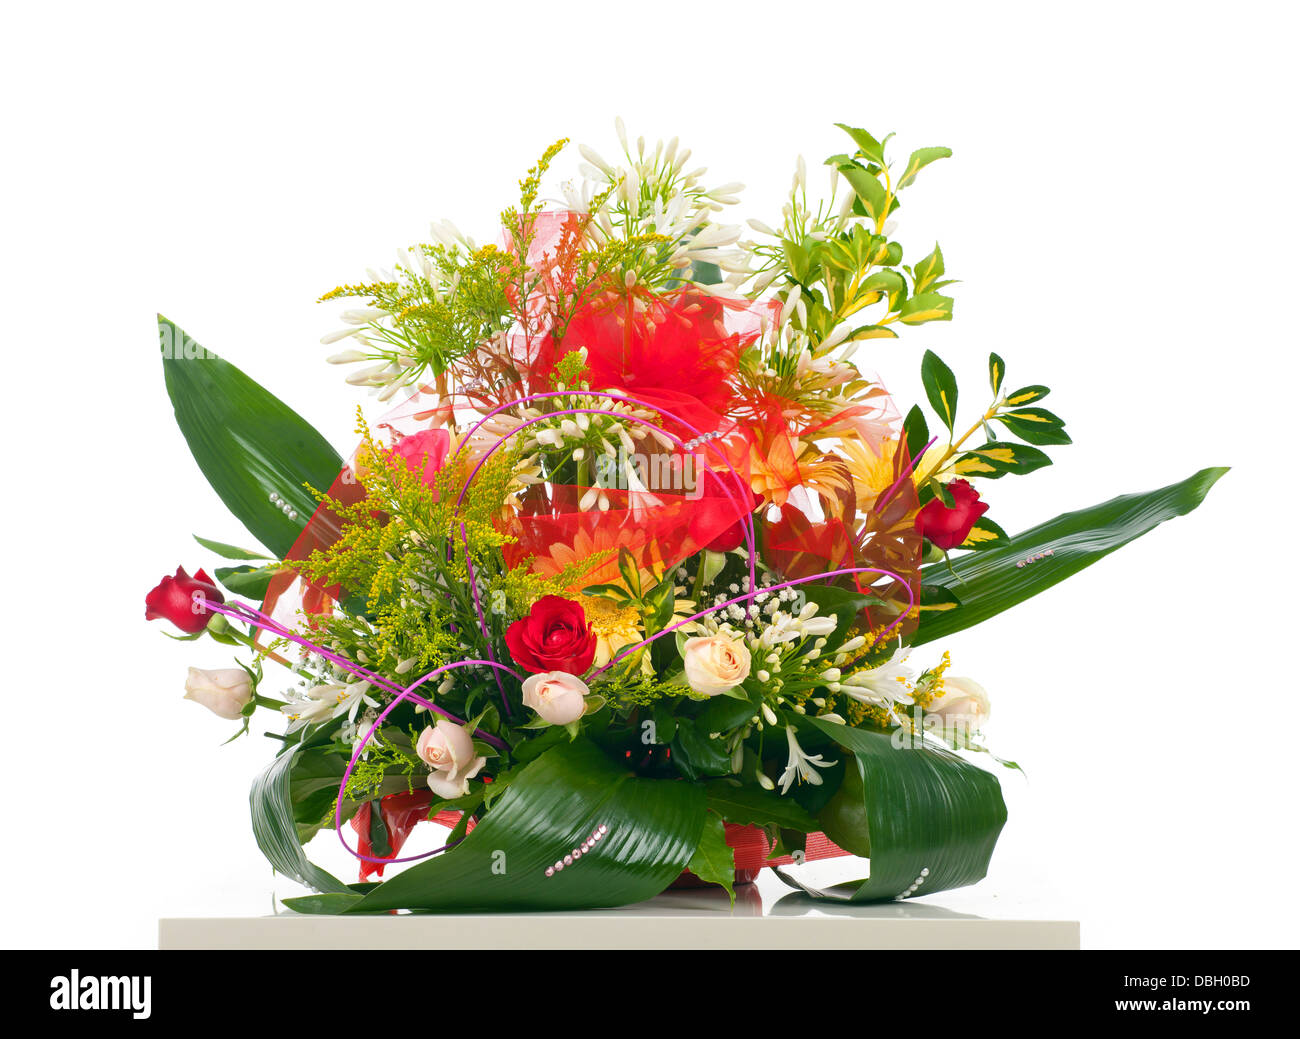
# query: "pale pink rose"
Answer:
x=448 y=749
x=964 y=702
x=556 y=696
x=225 y=692
x=715 y=663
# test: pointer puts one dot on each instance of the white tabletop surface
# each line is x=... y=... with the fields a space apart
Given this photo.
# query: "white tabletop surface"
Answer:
x=767 y=914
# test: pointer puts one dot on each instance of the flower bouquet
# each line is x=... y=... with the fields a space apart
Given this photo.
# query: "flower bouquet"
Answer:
x=630 y=581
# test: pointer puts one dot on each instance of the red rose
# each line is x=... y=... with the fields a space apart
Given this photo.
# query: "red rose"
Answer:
x=177 y=599
x=948 y=528
x=425 y=453
x=555 y=636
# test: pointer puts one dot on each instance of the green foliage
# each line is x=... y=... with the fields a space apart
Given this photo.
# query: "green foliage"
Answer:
x=940 y=388
x=928 y=819
x=402 y=551
x=654 y=828
x=988 y=582
x=275 y=828
x=258 y=454
x=843 y=260
x=714 y=861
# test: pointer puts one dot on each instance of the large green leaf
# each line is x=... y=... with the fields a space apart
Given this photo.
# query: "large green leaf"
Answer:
x=550 y=808
x=917 y=808
x=990 y=581
x=276 y=830
x=249 y=444
x=755 y=806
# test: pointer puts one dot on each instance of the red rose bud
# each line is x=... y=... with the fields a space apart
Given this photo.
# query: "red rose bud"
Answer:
x=179 y=600
x=947 y=528
x=555 y=636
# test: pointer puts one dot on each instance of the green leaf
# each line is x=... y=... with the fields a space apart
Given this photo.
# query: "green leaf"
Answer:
x=754 y=806
x=844 y=604
x=997 y=458
x=703 y=273
x=1036 y=425
x=940 y=387
x=1027 y=395
x=329 y=903
x=248 y=581
x=551 y=807
x=229 y=551
x=890 y=284
x=275 y=829
x=379 y=846
x=923 y=808
x=995 y=580
x=695 y=754
x=997 y=372
x=928 y=306
x=985 y=534
x=630 y=572
x=873 y=332
x=920 y=159
x=868 y=145
x=721 y=714
x=248 y=443
x=714 y=861
x=928 y=270
x=871 y=193
x=916 y=433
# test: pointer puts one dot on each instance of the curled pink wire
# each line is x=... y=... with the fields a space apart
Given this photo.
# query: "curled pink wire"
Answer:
x=406 y=694
x=248 y=614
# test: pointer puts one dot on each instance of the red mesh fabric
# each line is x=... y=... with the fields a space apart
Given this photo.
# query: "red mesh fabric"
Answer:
x=678 y=351
x=751 y=848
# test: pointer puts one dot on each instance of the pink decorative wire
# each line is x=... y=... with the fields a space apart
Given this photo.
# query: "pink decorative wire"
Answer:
x=249 y=615
x=406 y=694
x=911 y=601
x=242 y=612
x=747 y=517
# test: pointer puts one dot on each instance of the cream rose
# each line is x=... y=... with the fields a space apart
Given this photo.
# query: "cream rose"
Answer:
x=225 y=692
x=557 y=696
x=448 y=749
x=964 y=703
x=715 y=663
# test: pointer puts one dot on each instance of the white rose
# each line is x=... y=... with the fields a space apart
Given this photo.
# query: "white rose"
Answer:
x=557 y=696
x=964 y=703
x=225 y=692
x=448 y=749
x=715 y=663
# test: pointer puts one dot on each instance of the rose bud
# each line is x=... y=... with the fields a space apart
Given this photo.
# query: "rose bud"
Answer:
x=555 y=636
x=964 y=701
x=448 y=749
x=715 y=663
x=178 y=599
x=225 y=692
x=947 y=528
x=556 y=696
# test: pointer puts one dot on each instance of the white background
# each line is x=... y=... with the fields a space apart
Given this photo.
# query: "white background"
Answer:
x=1121 y=211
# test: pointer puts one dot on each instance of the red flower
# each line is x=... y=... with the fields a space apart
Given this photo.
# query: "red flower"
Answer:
x=177 y=599
x=425 y=453
x=555 y=636
x=948 y=528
